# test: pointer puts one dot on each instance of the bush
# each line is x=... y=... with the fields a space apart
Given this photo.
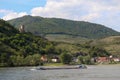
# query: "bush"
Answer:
x=66 y=58
x=84 y=59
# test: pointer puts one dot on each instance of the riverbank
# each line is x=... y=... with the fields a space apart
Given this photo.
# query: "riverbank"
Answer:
x=54 y=64
x=59 y=65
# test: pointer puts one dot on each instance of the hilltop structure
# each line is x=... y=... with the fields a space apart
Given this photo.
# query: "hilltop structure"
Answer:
x=22 y=29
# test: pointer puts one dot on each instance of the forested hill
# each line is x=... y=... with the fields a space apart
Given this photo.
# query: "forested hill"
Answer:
x=6 y=29
x=40 y=25
x=19 y=49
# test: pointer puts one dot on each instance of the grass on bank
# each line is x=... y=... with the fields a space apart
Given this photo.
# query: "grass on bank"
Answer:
x=53 y=64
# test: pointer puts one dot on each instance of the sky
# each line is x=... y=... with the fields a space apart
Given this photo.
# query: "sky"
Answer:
x=105 y=12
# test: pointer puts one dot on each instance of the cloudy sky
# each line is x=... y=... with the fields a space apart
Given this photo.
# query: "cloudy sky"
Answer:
x=105 y=12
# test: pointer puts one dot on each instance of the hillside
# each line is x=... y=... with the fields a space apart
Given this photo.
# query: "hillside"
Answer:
x=26 y=49
x=6 y=29
x=55 y=26
x=111 y=44
x=67 y=38
x=19 y=49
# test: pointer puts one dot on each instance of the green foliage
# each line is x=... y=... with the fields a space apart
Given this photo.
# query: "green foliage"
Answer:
x=24 y=46
x=67 y=38
x=30 y=60
x=28 y=44
x=85 y=49
x=17 y=60
x=96 y=52
x=85 y=59
x=6 y=29
x=110 y=44
x=66 y=58
x=45 y=26
x=21 y=49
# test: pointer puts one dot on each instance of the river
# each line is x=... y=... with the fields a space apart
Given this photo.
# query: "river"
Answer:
x=100 y=72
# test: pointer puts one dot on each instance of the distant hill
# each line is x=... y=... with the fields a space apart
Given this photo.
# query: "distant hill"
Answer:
x=56 y=26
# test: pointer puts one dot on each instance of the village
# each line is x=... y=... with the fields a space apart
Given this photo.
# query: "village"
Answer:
x=96 y=60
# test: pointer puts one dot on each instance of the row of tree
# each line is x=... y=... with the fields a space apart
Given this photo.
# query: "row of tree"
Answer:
x=17 y=60
x=21 y=48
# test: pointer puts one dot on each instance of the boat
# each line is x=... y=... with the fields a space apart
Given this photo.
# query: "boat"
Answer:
x=82 y=66
x=64 y=67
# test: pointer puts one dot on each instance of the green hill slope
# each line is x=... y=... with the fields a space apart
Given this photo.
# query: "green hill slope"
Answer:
x=6 y=29
x=45 y=26
x=21 y=49
x=111 y=44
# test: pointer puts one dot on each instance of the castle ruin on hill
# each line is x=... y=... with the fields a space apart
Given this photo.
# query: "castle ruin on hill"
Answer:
x=22 y=29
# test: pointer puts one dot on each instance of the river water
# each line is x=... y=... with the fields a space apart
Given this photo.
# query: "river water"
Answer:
x=100 y=72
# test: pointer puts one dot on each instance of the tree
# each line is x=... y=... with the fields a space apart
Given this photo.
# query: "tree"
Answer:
x=81 y=59
x=84 y=59
x=32 y=60
x=36 y=59
x=65 y=58
x=96 y=52
x=17 y=60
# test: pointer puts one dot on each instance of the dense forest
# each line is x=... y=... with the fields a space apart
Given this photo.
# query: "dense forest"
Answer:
x=26 y=49
x=55 y=26
x=16 y=47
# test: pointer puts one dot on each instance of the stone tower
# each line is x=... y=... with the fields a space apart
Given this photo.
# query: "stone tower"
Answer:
x=22 y=29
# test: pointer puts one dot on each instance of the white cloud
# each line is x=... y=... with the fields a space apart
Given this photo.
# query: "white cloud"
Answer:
x=56 y=8
x=91 y=16
x=76 y=9
x=11 y=15
x=88 y=10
